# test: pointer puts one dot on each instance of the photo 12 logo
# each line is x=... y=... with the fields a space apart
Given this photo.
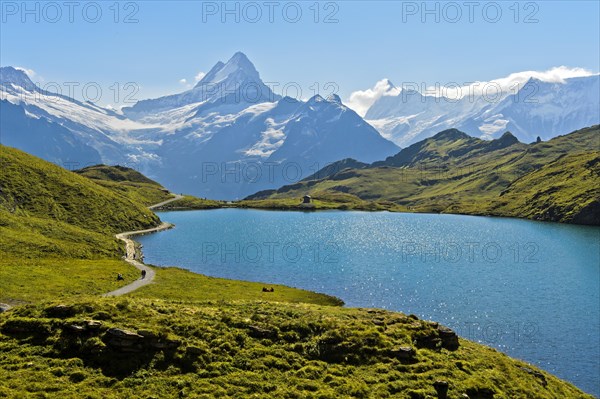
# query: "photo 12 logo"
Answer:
x=497 y=333
x=252 y=92
x=453 y=92
x=254 y=172
x=488 y=252
x=453 y=12
x=268 y=252
x=53 y=12
x=88 y=92
x=253 y=12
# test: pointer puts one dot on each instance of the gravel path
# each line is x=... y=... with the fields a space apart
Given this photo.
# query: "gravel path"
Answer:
x=175 y=198
x=131 y=253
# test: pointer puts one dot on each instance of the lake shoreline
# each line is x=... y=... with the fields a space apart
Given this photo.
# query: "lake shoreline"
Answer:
x=341 y=208
x=350 y=302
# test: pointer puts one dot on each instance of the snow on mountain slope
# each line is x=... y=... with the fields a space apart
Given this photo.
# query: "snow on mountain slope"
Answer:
x=538 y=108
x=267 y=145
x=547 y=109
x=43 y=138
x=218 y=136
x=325 y=130
x=102 y=129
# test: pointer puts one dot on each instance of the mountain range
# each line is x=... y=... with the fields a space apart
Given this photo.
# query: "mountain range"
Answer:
x=534 y=109
x=231 y=135
x=226 y=138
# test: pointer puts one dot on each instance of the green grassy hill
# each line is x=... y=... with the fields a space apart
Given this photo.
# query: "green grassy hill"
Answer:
x=128 y=182
x=115 y=173
x=140 y=189
x=124 y=348
x=57 y=231
x=50 y=217
x=36 y=188
x=565 y=190
x=455 y=173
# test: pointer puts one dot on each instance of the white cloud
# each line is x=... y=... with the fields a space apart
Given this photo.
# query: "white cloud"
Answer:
x=510 y=84
x=361 y=100
x=199 y=76
x=188 y=84
x=30 y=72
x=555 y=75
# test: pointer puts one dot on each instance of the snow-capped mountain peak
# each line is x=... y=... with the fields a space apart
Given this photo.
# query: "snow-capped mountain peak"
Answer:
x=332 y=105
x=59 y=128
x=238 y=69
x=317 y=98
x=320 y=101
x=234 y=85
x=209 y=77
x=15 y=77
x=334 y=98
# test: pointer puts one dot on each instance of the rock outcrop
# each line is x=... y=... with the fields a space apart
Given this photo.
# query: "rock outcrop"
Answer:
x=437 y=338
x=141 y=341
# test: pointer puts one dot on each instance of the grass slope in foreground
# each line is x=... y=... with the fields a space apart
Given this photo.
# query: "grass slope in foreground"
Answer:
x=557 y=180
x=124 y=348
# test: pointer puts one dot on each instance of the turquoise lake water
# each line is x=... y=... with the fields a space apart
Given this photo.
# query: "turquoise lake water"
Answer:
x=530 y=289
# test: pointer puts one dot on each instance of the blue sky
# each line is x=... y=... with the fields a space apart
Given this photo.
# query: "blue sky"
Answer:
x=363 y=42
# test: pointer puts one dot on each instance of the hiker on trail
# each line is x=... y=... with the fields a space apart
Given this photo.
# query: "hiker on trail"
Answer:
x=143 y=274
x=120 y=277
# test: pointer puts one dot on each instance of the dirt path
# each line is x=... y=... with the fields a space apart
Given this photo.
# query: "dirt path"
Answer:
x=177 y=197
x=130 y=253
